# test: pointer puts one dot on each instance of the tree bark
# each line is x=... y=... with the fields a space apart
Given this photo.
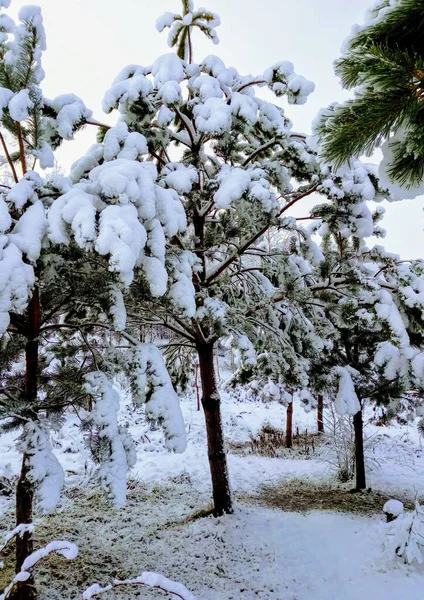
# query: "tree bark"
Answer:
x=359 y=451
x=25 y=590
x=320 y=417
x=216 y=449
x=289 y=425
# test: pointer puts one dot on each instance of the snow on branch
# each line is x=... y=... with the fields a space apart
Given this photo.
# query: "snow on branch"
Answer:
x=45 y=471
x=346 y=400
x=64 y=548
x=151 y=384
x=120 y=211
x=146 y=579
x=19 y=530
x=116 y=454
x=180 y=27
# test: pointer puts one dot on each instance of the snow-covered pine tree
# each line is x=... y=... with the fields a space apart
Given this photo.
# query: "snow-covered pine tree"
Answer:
x=384 y=65
x=374 y=302
x=239 y=167
x=27 y=136
x=66 y=253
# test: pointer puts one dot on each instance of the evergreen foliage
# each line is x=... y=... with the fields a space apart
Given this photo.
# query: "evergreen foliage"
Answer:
x=384 y=65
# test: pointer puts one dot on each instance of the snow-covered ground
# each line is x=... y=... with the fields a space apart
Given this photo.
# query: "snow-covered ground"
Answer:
x=257 y=553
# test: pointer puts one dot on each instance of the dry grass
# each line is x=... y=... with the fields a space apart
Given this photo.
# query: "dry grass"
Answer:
x=303 y=496
x=271 y=441
x=112 y=543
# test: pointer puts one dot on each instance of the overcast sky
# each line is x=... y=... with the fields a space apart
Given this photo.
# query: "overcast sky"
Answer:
x=90 y=41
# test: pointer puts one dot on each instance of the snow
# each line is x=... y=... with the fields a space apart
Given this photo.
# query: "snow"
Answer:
x=66 y=549
x=28 y=233
x=118 y=309
x=164 y=20
x=244 y=555
x=148 y=579
x=346 y=400
x=23 y=191
x=162 y=405
x=120 y=210
x=393 y=507
x=5 y=218
x=113 y=469
x=16 y=281
x=179 y=177
x=213 y=116
x=45 y=470
x=181 y=290
x=5 y=97
x=45 y=155
x=234 y=182
x=124 y=203
x=167 y=68
x=20 y=105
x=18 y=530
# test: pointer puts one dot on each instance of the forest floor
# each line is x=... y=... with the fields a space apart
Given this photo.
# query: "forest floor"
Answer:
x=296 y=534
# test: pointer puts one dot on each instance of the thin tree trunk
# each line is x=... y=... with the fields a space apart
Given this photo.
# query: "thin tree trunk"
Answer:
x=320 y=417
x=25 y=590
x=216 y=449
x=289 y=425
x=359 y=451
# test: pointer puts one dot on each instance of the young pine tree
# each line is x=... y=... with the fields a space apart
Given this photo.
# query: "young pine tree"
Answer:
x=60 y=298
x=233 y=162
x=377 y=312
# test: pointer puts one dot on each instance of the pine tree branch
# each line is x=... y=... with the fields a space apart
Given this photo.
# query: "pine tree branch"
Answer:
x=9 y=160
x=84 y=337
x=98 y=124
x=21 y=147
x=187 y=125
x=226 y=263
x=254 y=82
x=258 y=151
x=190 y=46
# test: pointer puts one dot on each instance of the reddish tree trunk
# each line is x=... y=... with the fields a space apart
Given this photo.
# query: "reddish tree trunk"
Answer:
x=358 y=425
x=289 y=425
x=216 y=449
x=320 y=418
x=25 y=590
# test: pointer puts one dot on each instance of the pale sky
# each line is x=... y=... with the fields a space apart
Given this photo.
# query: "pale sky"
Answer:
x=90 y=41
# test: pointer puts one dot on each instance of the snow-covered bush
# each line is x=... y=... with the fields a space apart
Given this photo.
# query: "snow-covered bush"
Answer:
x=404 y=534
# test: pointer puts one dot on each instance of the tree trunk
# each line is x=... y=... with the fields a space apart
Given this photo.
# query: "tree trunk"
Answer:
x=320 y=417
x=25 y=590
x=216 y=450
x=359 y=451
x=289 y=425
